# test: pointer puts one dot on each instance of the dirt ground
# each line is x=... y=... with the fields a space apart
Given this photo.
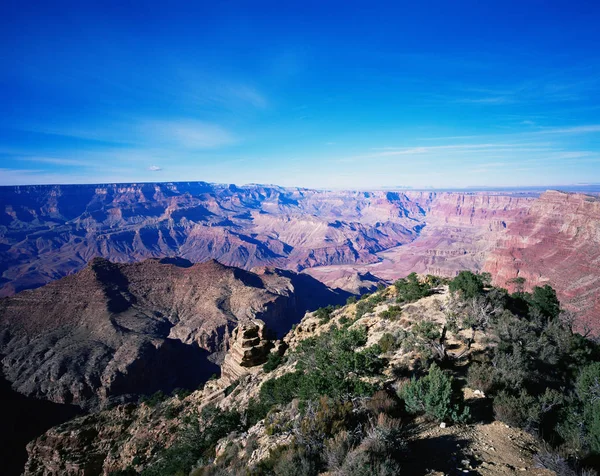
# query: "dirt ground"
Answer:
x=484 y=448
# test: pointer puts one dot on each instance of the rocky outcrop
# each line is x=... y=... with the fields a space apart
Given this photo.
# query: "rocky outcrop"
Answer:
x=249 y=347
x=129 y=437
x=113 y=330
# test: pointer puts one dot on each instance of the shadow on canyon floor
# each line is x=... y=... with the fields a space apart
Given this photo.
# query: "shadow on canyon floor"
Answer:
x=23 y=419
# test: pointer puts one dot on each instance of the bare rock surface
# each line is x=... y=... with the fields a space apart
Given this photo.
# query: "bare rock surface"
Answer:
x=249 y=347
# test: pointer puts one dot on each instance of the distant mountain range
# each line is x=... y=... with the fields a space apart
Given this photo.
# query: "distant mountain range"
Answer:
x=347 y=239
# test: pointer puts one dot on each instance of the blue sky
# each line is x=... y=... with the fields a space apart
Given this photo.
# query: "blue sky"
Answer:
x=320 y=94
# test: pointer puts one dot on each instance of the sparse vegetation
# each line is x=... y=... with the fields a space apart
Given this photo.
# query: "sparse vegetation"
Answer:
x=337 y=412
x=273 y=361
x=364 y=306
x=324 y=313
x=391 y=313
x=388 y=343
x=327 y=365
x=468 y=284
x=154 y=399
x=195 y=443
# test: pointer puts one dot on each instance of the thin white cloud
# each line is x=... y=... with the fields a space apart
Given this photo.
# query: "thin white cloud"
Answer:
x=154 y=168
x=500 y=146
x=488 y=100
x=57 y=161
x=189 y=134
x=248 y=94
x=572 y=130
x=149 y=133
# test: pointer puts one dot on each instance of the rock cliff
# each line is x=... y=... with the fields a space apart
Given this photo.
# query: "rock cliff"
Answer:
x=114 y=330
x=47 y=232
x=558 y=243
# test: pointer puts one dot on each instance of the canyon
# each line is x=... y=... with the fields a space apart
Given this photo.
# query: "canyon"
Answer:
x=347 y=239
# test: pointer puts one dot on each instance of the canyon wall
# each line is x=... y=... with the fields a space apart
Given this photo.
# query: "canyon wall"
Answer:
x=347 y=239
x=114 y=330
x=47 y=232
x=557 y=242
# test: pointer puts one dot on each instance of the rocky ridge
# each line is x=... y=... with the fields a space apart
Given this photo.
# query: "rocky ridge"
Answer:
x=115 y=330
x=128 y=436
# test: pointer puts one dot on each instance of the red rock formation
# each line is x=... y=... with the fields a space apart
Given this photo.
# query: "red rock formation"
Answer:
x=558 y=243
x=458 y=232
x=49 y=232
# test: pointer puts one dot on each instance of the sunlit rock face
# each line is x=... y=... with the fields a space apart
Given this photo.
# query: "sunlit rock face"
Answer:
x=47 y=232
x=347 y=239
x=249 y=347
x=558 y=243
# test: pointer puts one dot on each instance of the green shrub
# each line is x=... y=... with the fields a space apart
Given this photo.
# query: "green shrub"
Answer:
x=544 y=300
x=231 y=387
x=468 y=284
x=364 y=463
x=588 y=392
x=410 y=289
x=281 y=390
x=433 y=395
x=193 y=446
x=364 y=307
x=351 y=300
x=327 y=365
x=273 y=361
x=173 y=411
x=377 y=298
x=515 y=410
x=435 y=281
x=480 y=377
x=181 y=393
x=387 y=343
x=426 y=338
x=292 y=460
x=324 y=313
x=154 y=399
x=392 y=313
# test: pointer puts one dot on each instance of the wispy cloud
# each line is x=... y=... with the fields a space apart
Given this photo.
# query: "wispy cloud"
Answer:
x=572 y=130
x=189 y=134
x=57 y=161
x=146 y=133
x=488 y=100
x=553 y=87
x=464 y=148
x=154 y=168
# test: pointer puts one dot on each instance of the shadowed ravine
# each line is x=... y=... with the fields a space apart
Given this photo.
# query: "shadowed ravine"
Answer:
x=23 y=419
